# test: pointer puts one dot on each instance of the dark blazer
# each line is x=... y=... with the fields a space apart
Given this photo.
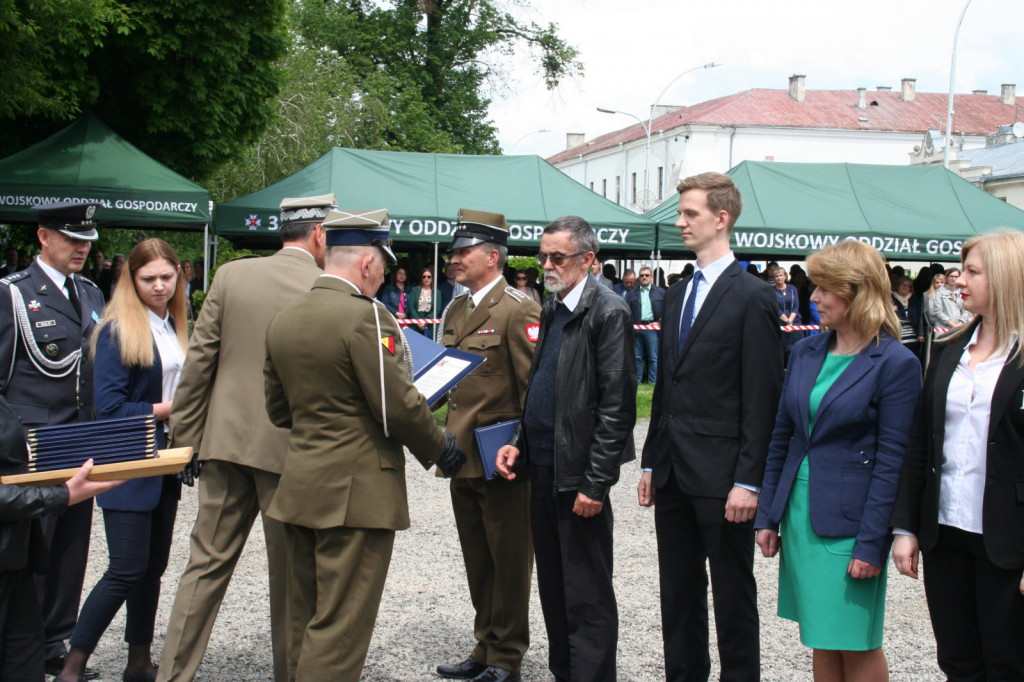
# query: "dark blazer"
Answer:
x=657 y=303
x=917 y=508
x=856 y=450
x=128 y=392
x=714 y=403
x=57 y=330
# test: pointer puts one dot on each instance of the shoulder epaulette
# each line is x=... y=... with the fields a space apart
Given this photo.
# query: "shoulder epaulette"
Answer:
x=516 y=294
x=79 y=278
x=14 y=277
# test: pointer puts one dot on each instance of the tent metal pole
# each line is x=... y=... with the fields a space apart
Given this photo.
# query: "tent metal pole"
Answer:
x=437 y=289
x=206 y=256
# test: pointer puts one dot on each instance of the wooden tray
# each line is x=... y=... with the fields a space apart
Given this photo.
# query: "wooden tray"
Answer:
x=166 y=462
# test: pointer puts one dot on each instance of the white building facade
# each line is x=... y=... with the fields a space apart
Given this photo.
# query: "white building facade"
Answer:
x=798 y=125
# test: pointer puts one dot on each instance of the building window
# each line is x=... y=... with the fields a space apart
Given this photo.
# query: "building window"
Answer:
x=661 y=182
x=632 y=189
x=604 y=188
x=618 y=189
x=591 y=186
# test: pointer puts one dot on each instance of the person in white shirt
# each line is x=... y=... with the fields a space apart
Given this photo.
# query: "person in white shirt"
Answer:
x=138 y=353
x=961 y=500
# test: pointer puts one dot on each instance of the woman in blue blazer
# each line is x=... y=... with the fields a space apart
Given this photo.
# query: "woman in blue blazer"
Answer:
x=961 y=501
x=833 y=467
x=138 y=353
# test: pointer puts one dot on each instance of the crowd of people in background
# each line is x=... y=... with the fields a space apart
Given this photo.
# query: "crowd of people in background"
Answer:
x=824 y=446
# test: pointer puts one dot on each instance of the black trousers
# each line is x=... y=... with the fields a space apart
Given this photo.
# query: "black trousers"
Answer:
x=692 y=530
x=574 y=577
x=139 y=543
x=976 y=608
x=21 y=628
x=60 y=589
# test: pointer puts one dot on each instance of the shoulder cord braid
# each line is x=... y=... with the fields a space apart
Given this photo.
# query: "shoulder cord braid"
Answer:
x=406 y=354
x=50 y=368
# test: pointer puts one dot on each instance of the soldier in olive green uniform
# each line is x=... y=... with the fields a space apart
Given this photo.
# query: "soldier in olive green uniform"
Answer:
x=336 y=376
x=493 y=516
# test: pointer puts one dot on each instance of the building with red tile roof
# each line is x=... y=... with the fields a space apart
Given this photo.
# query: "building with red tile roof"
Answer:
x=798 y=125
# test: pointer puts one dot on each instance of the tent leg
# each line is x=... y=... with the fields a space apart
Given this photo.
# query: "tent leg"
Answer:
x=206 y=257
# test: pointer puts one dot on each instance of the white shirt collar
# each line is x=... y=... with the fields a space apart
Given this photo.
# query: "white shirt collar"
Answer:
x=158 y=323
x=57 y=276
x=572 y=299
x=478 y=297
x=715 y=269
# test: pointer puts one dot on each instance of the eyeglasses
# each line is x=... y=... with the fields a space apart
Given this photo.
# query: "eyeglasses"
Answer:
x=645 y=274
x=427 y=277
x=520 y=279
x=557 y=259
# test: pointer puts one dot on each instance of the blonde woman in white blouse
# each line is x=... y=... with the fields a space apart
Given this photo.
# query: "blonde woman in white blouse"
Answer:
x=961 y=500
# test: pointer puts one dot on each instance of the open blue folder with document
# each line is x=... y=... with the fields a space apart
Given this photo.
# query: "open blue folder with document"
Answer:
x=436 y=369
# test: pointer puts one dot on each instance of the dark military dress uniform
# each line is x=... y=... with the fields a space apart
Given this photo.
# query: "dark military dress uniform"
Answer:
x=46 y=376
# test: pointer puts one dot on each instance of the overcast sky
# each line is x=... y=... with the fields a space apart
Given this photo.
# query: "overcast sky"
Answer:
x=632 y=50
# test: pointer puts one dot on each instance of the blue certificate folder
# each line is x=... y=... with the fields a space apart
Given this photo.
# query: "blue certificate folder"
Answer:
x=432 y=363
x=489 y=440
x=105 y=441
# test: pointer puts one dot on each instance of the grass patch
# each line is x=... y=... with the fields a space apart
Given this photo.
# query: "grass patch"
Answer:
x=644 y=398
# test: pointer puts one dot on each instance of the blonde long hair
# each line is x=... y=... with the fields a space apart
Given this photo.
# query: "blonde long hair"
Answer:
x=128 y=316
x=1002 y=252
x=855 y=272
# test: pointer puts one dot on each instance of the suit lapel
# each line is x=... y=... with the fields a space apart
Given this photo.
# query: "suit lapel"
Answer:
x=707 y=309
x=1010 y=380
x=944 y=369
x=807 y=374
x=861 y=365
x=51 y=295
x=479 y=316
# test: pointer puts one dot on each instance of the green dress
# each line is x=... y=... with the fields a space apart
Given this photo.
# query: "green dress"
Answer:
x=835 y=612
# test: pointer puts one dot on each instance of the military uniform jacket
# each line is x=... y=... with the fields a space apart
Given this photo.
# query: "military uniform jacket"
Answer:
x=38 y=374
x=503 y=329
x=218 y=407
x=325 y=365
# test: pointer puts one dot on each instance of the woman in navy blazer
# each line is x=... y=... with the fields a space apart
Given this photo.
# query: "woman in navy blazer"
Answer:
x=138 y=353
x=833 y=465
x=961 y=499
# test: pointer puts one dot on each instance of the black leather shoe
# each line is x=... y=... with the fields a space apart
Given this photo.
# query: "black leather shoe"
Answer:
x=130 y=676
x=467 y=670
x=492 y=674
x=56 y=664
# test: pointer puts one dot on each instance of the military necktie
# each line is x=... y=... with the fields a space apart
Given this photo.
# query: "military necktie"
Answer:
x=69 y=284
x=469 y=307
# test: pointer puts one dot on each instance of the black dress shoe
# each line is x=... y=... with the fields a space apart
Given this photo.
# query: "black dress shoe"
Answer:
x=56 y=664
x=466 y=670
x=130 y=676
x=492 y=674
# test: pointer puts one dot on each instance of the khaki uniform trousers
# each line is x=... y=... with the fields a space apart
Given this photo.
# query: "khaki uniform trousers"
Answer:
x=335 y=584
x=230 y=496
x=493 y=519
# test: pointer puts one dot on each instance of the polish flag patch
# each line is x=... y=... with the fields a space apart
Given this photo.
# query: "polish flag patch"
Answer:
x=533 y=332
x=389 y=343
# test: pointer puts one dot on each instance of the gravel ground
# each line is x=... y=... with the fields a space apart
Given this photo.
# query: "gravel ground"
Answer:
x=426 y=619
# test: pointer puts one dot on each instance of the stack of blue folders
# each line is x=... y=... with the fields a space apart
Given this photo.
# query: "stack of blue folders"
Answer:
x=106 y=442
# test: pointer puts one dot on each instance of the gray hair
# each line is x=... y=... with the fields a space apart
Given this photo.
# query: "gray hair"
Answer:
x=581 y=234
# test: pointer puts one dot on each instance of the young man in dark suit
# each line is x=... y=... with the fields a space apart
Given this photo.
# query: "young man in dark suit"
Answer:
x=718 y=387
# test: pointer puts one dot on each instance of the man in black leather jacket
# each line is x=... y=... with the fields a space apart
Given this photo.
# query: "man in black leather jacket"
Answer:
x=21 y=551
x=576 y=431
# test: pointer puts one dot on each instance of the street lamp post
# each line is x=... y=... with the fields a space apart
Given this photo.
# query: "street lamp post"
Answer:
x=650 y=119
x=532 y=132
x=952 y=79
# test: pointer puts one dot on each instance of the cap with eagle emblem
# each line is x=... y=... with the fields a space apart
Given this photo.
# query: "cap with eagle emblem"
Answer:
x=70 y=218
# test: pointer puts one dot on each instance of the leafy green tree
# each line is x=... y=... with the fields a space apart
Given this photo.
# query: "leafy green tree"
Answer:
x=43 y=49
x=189 y=82
x=430 y=62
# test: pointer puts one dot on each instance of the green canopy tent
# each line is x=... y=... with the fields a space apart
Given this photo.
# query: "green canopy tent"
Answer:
x=906 y=212
x=89 y=161
x=423 y=193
